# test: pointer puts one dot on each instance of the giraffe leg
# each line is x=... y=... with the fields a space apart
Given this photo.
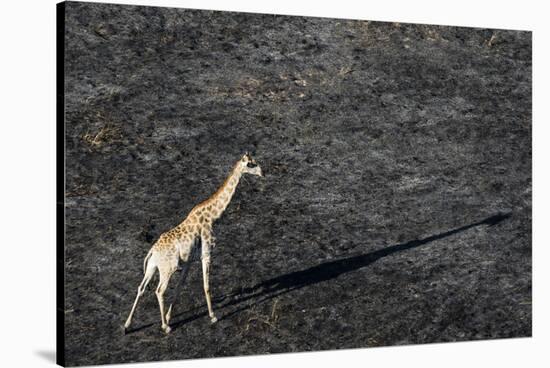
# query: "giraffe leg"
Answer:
x=183 y=276
x=141 y=289
x=205 y=273
x=163 y=284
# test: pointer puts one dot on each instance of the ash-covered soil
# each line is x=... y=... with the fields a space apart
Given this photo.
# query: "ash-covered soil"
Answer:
x=396 y=203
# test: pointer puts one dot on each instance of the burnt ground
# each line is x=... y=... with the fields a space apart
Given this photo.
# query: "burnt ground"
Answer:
x=396 y=203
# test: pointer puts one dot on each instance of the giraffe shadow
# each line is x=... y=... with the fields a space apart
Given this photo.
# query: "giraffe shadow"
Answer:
x=274 y=287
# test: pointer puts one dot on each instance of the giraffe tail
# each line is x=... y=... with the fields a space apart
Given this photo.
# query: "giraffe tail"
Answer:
x=146 y=260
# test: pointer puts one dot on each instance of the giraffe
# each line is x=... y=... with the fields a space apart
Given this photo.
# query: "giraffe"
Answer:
x=181 y=243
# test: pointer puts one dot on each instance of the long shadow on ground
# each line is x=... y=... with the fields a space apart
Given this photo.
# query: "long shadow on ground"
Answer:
x=286 y=283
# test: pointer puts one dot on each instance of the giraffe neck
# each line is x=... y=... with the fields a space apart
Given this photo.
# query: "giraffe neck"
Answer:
x=220 y=200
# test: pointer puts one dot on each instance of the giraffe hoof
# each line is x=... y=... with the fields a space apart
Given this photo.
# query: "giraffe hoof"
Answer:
x=213 y=319
x=167 y=329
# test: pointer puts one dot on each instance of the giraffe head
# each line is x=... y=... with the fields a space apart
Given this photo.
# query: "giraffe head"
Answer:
x=249 y=165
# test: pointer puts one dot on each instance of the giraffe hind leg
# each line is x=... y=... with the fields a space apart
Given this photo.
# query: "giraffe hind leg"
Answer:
x=164 y=278
x=193 y=255
x=183 y=277
x=149 y=272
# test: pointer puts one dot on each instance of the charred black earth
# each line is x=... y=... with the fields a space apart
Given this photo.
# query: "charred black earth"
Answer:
x=396 y=203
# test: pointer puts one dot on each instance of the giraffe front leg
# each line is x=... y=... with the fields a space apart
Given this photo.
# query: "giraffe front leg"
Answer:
x=205 y=273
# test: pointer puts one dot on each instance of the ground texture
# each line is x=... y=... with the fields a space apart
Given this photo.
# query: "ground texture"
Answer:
x=396 y=203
